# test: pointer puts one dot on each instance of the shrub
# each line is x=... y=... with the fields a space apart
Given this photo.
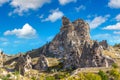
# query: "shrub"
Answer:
x=92 y=76
x=50 y=78
x=115 y=74
x=103 y=75
x=81 y=76
x=114 y=65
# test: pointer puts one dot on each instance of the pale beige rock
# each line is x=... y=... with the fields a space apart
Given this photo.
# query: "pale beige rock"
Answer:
x=42 y=64
x=1 y=58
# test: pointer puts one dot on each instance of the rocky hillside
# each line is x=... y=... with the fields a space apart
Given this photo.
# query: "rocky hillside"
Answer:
x=74 y=47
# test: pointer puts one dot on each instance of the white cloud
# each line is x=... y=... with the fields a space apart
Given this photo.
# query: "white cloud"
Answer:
x=114 y=4
x=3 y=39
x=117 y=17
x=97 y=21
x=113 y=27
x=3 y=1
x=104 y=36
x=112 y=39
x=116 y=32
x=54 y=16
x=22 y=6
x=26 y=32
x=64 y=2
x=81 y=7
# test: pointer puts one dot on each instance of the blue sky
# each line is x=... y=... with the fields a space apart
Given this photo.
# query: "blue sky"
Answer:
x=29 y=24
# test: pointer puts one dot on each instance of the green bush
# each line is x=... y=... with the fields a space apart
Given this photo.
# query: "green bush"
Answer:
x=115 y=74
x=114 y=65
x=50 y=78
x=103 y=75
x=81 y=76
x=61 y=75
x=92 y=76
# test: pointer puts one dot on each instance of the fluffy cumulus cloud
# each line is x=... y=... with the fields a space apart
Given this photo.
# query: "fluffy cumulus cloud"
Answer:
x=22 y=6
x=64 y=2
x=26 y=32
x=54 y=16
x=3 y=1
x=81 y=7
x=97 y=21
x=114 y=4
x=113 y=27
x=117 y=17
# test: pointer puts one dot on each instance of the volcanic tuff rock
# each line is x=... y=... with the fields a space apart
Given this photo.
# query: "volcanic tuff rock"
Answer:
x=23 y=64
x=92 y=56
x=73 y=43
x=74 y=46
x=42 y=64
x=1 y=58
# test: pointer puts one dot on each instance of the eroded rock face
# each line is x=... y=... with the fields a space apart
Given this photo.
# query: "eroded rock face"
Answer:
x=1 y=58
x=104 y=44
x=23 y=64
x=42 y=64
x=72 y=34
x=92 y=56
x=20 y=64
x=28 y=63
x=74 y=46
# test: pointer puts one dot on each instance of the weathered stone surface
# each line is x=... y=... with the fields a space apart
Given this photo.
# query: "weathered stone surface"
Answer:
x=92 y=56
x=1 y=58
x=20 y=64
x=73 y=34
x=23 y=64
x=28 y=63
x=42 y=64
x=74 y=46
x=104 y=44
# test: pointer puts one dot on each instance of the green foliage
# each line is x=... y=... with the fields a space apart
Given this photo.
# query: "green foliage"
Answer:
x=114 y=73
x=33 y=78
x=114 y=65
x=81 y=76
x=61 y=75
x=50 y=78
x=6 y=77
x=92 y=76
x=103 y=75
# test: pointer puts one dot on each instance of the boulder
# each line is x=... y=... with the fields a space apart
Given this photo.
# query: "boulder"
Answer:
x=23 y=64
x=42 y=64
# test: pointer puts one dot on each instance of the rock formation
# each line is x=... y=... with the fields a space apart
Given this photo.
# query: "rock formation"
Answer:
x=1 y=58
x=104 y=44
x=42 y=64
x=28 y=63
x=92 y=56
x=23 y=64
x=72 y=35
x=74 y=46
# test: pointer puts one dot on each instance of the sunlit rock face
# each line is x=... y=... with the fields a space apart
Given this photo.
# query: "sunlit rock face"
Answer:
x=23 y=64
x=72 y=35
x=92 y=56
x=1 y=58
x=42 y=64
x=74 y=46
